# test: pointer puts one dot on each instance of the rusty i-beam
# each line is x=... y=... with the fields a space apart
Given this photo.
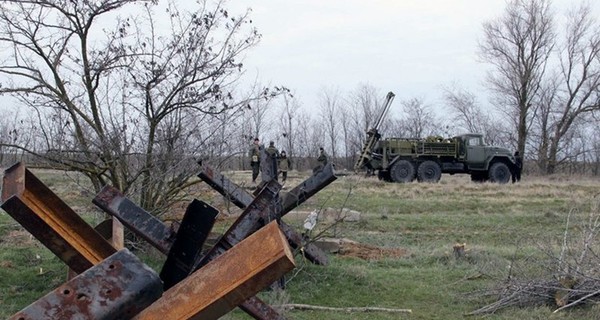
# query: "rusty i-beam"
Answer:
x=111 y=230
x=253 y=217
x=51 y=220
x=162 y=237
x=117 y=288
x=288 y=202
x=226 y=281
x=193 y=231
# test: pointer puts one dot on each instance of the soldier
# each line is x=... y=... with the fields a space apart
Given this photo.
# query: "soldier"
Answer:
x=322 y=159
x=274 y=154
x=516 y=172
x=255 y=159
x=284 y=165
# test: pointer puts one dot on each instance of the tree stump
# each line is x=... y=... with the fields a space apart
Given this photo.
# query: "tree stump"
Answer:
x=459 y=250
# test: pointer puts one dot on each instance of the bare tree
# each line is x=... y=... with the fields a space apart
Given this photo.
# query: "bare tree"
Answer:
x=345 y=122
x=5 y=134
x=289 y=125
x=224 y=139
x=365 y=107
x=398 y=128
x=261 y=113
x=329 y=104
x=467 y=115
x=518 y=45
x=129 y=99
x=309 y=137
x=578 y=92
x=419 y=119
x=594 y=151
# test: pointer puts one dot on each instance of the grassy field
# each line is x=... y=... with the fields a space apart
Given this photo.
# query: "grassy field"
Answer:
x=505 y=228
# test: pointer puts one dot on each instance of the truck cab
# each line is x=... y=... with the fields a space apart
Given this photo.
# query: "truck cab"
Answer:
x=472 y=150
x=485 y=162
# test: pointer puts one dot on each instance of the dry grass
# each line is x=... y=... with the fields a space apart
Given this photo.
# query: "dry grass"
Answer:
x=423 y=220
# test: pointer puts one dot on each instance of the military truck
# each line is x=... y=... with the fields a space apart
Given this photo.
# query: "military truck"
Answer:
x=406 y=159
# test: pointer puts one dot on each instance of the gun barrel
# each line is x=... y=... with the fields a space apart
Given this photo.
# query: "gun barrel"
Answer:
x=373 y=134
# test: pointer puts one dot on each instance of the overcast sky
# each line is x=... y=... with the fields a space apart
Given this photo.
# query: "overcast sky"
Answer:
x=410 y=47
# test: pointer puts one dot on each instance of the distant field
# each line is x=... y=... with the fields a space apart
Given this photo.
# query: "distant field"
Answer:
x=500 y=225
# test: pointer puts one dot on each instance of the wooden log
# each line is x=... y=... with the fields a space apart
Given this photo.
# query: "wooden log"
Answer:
x=251 y=265
x=291 y=306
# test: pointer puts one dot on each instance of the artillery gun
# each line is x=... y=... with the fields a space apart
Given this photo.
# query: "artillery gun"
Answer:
x=404 y=160
x=373 y=135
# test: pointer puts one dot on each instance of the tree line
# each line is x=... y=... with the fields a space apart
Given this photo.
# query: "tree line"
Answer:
x=135 y=100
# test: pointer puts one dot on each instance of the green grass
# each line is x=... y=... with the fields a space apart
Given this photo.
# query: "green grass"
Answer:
x=27 y=270
x=498 y=224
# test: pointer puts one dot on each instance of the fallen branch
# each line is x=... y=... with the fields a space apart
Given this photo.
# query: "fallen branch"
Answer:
x=291 y=306
x=542 y=292
x=577 y=301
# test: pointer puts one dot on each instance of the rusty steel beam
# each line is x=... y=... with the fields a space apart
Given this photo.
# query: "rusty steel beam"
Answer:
x=260 y=310
x=253 y=217
x=111 y=229
x=309 y=250
x=141 y=222
x=106 y=229
x=236 y=194
x=117 y=288
x=162 y=237
x=51 y=220
x=289 y=201
x=196 y=224
x=250 y=266
x=117 y=238
x=306 y=189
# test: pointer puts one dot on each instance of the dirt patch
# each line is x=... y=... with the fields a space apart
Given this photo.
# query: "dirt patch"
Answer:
x=370 y=253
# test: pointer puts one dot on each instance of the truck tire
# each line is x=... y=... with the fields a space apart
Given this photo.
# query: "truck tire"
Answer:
x=499 y=173
x=403 y=171
x=429 y=171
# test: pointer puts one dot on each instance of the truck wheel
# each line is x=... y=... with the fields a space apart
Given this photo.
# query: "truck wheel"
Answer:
x=429 y=171
x=499 y=173
x=403 y=171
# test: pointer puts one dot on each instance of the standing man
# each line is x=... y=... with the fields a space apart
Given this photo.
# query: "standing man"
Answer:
x=516 y=172
x=284 y=166
x=322 y=159
x=273 y=155
x=255 y=159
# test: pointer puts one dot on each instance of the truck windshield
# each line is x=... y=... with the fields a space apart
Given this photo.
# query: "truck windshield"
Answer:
x=474 y=141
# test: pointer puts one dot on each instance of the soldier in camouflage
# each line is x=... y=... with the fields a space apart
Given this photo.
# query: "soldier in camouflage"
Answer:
x=273 y=154
x=255 y=159
x=284 y=166
x=322 y=159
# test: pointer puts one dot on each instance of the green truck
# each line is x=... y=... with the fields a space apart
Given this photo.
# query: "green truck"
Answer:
x=403 y=160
